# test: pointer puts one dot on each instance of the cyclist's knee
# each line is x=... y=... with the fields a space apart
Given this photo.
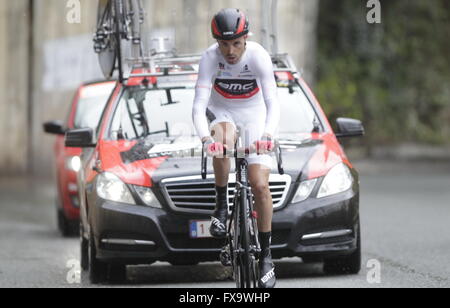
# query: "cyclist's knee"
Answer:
x=260 y=188
x=222 y=164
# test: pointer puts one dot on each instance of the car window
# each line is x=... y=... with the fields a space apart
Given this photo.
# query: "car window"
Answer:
x=91 y=103
x=174 y=107
x=296 y=113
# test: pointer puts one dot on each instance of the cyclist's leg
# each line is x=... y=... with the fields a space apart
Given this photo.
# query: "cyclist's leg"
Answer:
x=259 y=181
x=222 y=130
x=259 y=173
x=252 y=128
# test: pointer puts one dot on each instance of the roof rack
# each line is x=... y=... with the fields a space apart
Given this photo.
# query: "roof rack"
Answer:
x=170 y=64
x=166 y=64
x=284 y=62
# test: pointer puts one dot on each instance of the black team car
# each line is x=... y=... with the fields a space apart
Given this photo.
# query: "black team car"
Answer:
x=143 y=200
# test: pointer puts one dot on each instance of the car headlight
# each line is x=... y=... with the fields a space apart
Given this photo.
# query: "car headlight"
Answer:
x=110 y=187
x=304 y=190
x=147 y=196
x=338 y=179
x=73 y=163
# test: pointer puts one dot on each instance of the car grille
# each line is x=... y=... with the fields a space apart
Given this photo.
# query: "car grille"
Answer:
x=194 y=195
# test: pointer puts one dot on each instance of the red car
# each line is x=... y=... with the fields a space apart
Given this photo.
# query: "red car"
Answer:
x=85 y=111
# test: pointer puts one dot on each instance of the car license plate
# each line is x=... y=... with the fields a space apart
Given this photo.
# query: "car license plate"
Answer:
x=199 y=229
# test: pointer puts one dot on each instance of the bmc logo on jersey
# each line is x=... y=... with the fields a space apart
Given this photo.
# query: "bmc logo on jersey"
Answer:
x=236 y=88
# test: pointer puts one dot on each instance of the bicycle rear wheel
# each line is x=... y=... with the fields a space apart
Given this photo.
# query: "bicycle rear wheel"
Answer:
x=118 y=36
x=234 y=243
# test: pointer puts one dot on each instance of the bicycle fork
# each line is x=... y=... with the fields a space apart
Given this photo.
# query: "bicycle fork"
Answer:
x=229 y=251
x=250 y=214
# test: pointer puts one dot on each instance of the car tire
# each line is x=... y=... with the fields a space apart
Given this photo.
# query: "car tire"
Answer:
x=66 y=227
x=350 y=264
x=98 y=270
x=84 y=251
x=63 y=224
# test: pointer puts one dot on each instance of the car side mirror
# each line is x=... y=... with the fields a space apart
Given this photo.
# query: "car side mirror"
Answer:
x=80 y=138
x=349 y=128
x=54 y=127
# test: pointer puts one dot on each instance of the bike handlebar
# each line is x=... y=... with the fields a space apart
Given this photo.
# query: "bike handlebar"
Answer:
x=242 y=153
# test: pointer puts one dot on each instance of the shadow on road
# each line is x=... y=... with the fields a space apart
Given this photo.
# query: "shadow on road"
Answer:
x=167 y=274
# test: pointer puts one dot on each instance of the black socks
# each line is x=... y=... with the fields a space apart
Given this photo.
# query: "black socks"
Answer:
x=221 y=193
x=265 y=239
x=218 y=227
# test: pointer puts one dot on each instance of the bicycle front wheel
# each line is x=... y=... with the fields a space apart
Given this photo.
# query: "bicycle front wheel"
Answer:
x=245 y=256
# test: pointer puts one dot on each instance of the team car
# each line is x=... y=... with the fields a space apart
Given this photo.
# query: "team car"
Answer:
x=85 y=111
x=143 y=198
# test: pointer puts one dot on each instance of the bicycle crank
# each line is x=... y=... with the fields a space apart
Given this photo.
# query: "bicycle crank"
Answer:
x=225 y=257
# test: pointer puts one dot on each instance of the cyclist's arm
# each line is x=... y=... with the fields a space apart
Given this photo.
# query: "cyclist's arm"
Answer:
x=269 y=90
x=202 y=94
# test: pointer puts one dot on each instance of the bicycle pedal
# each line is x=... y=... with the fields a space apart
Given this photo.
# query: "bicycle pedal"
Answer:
x=225 y=257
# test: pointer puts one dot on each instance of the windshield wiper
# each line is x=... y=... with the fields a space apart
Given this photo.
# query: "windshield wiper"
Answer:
x=170 y=101
x=161 y=131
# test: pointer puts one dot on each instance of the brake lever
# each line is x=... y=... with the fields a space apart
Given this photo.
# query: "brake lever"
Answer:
x=204 y=164
x=279 y=156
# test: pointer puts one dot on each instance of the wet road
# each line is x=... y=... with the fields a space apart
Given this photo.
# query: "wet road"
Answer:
x=405 y=213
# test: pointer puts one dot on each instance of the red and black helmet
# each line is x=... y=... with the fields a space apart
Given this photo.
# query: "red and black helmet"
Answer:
x=229 y=24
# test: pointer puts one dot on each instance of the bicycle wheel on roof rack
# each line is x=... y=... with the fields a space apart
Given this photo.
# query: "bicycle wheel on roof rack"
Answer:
x=120 y=34
x=104 y=40
x=118 y=37
x=131 y=43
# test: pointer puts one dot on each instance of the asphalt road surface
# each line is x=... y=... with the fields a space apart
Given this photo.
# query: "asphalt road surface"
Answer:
x=405 y=213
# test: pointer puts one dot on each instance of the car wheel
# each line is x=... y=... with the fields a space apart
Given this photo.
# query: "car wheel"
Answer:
x=98 y=270
x=66 y=227
x=350 y=264
x=84 y=251
x=63 y=224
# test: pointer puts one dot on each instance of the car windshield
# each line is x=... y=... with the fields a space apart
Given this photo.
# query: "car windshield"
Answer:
x=91 y=102
x=167 y=113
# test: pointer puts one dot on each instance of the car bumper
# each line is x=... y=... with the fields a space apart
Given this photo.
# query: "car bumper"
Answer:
x=138 y=234
x=317 y=228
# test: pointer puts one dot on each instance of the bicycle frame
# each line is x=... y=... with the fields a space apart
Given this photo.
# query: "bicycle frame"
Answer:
x=242 y=236
x=243 y=230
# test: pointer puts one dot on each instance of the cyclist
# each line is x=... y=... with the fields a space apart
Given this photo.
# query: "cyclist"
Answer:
x=236 y=89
